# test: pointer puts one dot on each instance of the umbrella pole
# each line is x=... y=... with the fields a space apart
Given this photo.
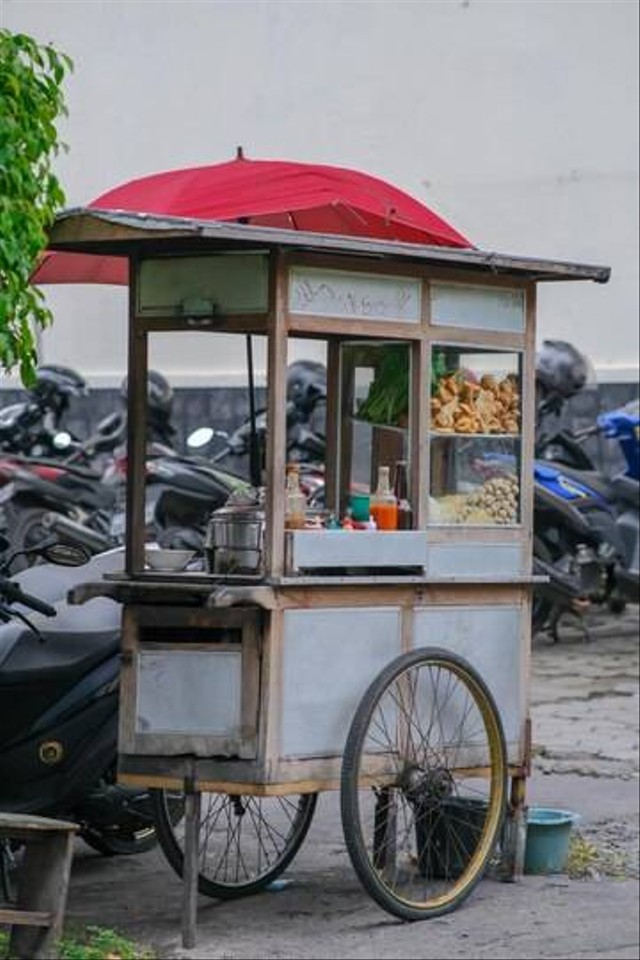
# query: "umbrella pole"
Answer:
x=254 y=452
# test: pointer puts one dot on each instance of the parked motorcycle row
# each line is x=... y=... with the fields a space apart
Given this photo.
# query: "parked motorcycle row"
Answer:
x=585 y=524
x=52 y=482
x=62 y=512
x=62 y=503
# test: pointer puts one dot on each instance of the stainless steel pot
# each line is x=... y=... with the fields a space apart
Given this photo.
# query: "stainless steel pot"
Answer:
x=234 y=540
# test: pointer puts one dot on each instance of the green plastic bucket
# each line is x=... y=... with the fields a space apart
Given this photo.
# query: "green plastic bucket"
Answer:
x=548 y=835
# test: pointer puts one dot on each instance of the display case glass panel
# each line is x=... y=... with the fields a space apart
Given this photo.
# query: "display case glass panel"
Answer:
x=477 y=308
x=204 y=285
x=375 y=414
x=475 y=450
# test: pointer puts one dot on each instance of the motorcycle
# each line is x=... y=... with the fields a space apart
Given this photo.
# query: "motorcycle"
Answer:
x=31 y=426
x=244 y=449
x=30 y=502
x=59 y=681
x=587 y=523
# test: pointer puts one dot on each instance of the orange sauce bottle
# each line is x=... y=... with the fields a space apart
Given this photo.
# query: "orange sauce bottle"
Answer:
x=384 y=505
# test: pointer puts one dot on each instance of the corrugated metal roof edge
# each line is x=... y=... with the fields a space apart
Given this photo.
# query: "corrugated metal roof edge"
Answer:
x=534 y=268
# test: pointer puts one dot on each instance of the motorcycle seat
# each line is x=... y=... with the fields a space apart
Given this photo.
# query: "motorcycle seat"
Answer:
x=64 y=656
x=51 y=583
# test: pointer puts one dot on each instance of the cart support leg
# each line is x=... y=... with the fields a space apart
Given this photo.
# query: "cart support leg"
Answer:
x=190 y=874
x=514 y=832
x=384 y=837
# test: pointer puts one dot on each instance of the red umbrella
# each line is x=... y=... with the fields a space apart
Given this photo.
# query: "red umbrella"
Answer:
x=267 y=193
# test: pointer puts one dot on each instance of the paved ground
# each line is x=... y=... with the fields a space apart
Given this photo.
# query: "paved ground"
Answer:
x=585 y=714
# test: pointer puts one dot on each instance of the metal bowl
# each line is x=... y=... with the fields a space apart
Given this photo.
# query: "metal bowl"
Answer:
x=167 y=560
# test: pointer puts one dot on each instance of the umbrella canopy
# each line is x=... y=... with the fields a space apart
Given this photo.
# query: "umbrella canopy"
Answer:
x=267 y=193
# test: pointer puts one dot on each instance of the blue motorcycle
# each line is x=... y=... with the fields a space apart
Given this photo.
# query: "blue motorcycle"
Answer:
x=586 y=525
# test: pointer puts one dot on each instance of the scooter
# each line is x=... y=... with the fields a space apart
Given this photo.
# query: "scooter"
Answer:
x=59 y=680
x=586 y=522
x=30 y=427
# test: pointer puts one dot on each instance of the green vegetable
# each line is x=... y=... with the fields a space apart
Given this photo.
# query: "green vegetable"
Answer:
x=388 y=398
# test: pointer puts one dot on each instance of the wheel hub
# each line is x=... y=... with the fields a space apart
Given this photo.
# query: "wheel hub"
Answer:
x=426 y=786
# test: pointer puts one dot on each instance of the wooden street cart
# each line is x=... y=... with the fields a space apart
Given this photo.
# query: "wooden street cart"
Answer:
x=389 y=664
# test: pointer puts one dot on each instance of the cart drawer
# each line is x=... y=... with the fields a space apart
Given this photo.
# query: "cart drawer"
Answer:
x=194 y=690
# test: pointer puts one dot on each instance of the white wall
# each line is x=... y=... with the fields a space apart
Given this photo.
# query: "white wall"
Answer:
x=518 y=121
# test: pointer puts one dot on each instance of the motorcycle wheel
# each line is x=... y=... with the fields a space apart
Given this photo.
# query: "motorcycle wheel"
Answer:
x=118 y=843
x=541 y=607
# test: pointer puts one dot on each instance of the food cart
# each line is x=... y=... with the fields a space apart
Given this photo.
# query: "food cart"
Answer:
x=389 y=664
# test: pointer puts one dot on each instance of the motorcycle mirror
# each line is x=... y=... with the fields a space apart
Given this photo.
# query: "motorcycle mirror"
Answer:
x=65 y=554
x=62 y=440
x=200 y=438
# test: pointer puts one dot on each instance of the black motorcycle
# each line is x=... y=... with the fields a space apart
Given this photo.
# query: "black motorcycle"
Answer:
x=59 y=684
x=243 y=452
x=32 y=426
x=586 y=525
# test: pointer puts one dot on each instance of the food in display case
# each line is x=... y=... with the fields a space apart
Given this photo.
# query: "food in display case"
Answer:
x=461 y=405
x=475 y=436
x=495 y=501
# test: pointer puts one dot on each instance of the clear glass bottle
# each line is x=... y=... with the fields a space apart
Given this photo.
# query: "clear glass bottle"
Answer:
x=295 y=500
x=401 y=491
x=384 y=506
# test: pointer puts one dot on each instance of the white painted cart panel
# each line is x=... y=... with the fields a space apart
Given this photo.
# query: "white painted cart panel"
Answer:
x=330 y=656
x=476 y=559
x=490 y=638
x=189 y=692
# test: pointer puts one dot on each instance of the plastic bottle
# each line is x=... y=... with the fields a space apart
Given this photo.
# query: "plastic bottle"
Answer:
x=401 y=491
x=384 y=506
x=296 y=502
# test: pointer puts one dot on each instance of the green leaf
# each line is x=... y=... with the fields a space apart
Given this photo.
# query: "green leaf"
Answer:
x=31 y=103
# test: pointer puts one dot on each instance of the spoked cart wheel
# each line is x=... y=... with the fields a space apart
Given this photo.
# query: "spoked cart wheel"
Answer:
x=245 y=842
x=424 y=784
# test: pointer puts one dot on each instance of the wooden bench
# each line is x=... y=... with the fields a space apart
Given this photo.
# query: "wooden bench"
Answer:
x=43 y=882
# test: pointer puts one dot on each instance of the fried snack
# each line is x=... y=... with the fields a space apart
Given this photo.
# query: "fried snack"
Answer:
x=464 y=424
x=463 y=406
x=489 y=382
x=446 y=415
x=448 y=389
x=469 y=391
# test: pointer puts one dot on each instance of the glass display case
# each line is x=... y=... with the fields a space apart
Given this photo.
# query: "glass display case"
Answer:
x=475 y=448
x=375 y=415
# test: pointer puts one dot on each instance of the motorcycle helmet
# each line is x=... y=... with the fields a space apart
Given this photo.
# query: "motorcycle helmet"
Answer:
x=159 y=406
x=55 y=385
x=561 y=370
x=159 y=394
x=306 y=384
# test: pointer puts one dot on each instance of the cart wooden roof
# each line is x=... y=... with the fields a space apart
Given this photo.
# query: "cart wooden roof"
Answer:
x=121 y=233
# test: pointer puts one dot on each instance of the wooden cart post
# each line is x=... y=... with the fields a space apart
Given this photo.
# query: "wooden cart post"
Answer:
x=190 y=888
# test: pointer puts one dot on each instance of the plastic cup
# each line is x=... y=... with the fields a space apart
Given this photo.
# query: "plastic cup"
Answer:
x=359 y=503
